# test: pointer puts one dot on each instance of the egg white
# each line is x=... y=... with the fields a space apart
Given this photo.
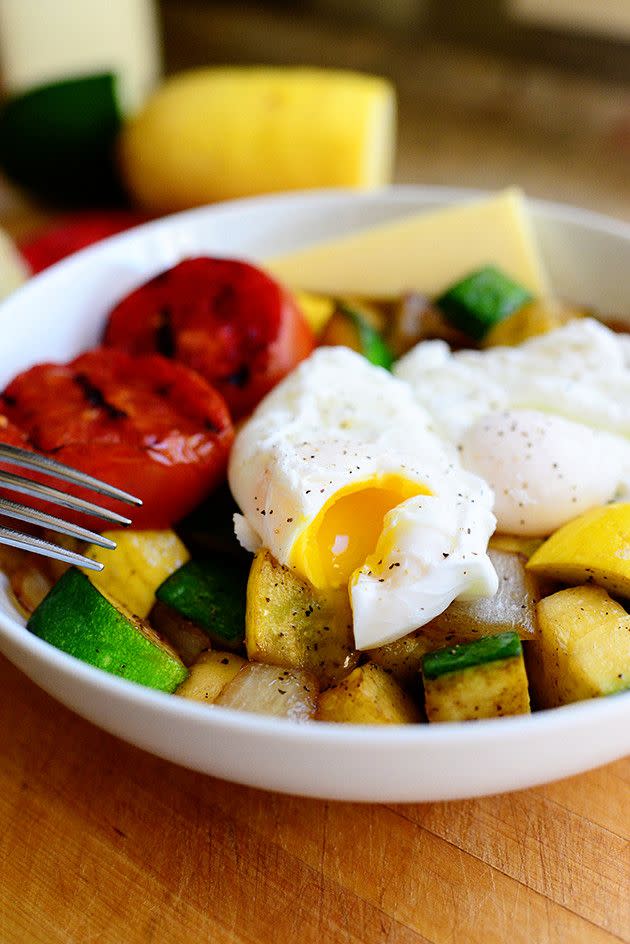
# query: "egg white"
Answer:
x=580 y=371
x=546 y=423
x=544 y=469
x=336 y=421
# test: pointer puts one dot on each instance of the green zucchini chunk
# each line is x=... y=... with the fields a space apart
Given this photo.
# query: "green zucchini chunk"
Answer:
x=58 y=140
x=466 y=655
x=482 y=300
x=372 y=344
x=211 y=594
x=351 y=327
x=474 y=680
x=78 y=619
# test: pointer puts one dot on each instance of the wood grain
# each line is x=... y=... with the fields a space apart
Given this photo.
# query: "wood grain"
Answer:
x=100 y=842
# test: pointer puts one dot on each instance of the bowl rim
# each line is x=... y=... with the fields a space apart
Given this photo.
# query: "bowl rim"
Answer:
x=436 y=194
x=548 y=721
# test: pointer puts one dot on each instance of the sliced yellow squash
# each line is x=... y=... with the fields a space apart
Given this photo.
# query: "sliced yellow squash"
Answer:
x=219 y=133
x=593 y=548
x=369 y=695
x=582 y=649
x=141 y=562
x=209 y=675
x=539 y=317
x=290 y=623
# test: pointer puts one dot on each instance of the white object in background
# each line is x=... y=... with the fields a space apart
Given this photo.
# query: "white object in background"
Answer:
x=13 y=269
x=43 y=41
x=62 y=311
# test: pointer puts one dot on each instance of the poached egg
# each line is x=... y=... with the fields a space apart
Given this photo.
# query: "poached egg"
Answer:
x=546 y=424
x=340 y=474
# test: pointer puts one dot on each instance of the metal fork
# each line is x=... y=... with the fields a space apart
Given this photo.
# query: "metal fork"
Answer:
x=18 y=483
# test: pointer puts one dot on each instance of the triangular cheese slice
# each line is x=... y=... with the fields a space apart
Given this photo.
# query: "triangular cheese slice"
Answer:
x=425 y=252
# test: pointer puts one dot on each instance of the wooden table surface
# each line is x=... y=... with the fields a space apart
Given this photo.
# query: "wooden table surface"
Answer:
x=101 y=843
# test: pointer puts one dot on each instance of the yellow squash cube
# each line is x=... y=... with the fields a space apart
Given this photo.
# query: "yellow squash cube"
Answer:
x=369 y=695
x=539 y=317
x=290 y=623
x=494 y=690
x=593 y=548
x=474 y=680
x=402 y=659
x=582 y=649
x=141 y=562
x=209 y=675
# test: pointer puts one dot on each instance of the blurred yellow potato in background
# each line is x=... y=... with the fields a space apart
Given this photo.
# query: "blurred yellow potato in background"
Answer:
x=219 y=133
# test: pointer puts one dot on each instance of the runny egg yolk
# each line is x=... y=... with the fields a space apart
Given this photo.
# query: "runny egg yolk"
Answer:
x=346 y=530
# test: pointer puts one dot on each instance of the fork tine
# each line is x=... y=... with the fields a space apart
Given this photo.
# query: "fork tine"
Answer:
x=32 y=460
x=26 y=542
x=32 y=516
x=17 y=483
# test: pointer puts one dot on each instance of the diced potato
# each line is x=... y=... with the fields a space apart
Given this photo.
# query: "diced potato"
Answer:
x=187 y=639
x=290 y=623
x=30 y=584
x=583 y=647
x=402 y=659
x=512 y=608
x=369 y=695
x=271 y=690
x=31 y=576
x=141 y=562
x=12 y=558
x=209 y=675
x=595 y=547
x=515 y=543
x=56 y=568
x=539 y=317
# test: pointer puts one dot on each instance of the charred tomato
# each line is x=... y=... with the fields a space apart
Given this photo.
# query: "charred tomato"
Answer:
x=146 y=424
x=226 y=319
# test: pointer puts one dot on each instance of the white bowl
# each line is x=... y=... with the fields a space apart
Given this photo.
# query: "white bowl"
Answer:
x=60 y=313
